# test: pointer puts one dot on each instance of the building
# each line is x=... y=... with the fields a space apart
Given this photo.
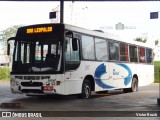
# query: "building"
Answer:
x=4 y=59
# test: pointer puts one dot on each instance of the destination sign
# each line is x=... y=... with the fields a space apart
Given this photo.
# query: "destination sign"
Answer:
x=39 y=30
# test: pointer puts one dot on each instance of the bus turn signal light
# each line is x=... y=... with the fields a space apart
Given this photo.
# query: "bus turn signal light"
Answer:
x=58 y=82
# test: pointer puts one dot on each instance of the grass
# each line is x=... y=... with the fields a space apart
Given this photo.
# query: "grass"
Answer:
x=4 y=73
x=156 y=71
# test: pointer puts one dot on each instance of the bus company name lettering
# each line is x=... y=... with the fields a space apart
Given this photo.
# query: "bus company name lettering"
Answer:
x=39 y=30
x=115 y=72
x=87 y=67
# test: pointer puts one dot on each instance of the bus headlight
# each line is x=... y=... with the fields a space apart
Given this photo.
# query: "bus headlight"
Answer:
x=13 y=81
x=52 y=81
x=47 y=83
x=17 y=83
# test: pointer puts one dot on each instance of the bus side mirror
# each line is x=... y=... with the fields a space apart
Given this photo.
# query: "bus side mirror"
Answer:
x=8 y=49
x=75 y=44
x=8 y=45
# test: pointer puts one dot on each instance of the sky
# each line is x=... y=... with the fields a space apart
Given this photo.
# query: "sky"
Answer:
x=135 y=16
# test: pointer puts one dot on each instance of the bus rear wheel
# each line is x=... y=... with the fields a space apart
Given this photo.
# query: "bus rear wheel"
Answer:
x=86 y=90
x=134 y=86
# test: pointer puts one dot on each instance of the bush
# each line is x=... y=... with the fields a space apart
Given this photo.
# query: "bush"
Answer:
x=156 y=71
x=4 y=73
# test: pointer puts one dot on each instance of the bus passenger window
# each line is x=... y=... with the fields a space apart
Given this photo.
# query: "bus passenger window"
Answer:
x=113 y=50
x=133 y=53
x=88 y=47
x=101 y=49
x=141 y=54
x=124 y=52
x=149 y=55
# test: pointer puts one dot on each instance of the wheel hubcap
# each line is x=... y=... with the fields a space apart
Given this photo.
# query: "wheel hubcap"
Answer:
x=87 y=91
x=135 y=86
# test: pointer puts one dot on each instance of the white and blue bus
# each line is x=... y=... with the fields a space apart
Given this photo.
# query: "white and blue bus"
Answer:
x=64 y=59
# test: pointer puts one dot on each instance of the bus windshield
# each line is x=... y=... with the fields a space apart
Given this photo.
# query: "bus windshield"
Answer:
x=37 y=55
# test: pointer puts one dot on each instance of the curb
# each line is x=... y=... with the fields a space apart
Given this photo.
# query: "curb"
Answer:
x=11 y=105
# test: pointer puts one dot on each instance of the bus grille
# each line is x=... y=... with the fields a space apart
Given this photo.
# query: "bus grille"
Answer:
x=31 y=84
x=32 y=77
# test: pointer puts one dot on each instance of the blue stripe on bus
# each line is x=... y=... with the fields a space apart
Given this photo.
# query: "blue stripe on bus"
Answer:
x=101 y=70
x=128 y=78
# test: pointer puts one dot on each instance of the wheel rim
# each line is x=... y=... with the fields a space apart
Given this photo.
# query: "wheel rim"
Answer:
x=135 y=86
x=87 y=91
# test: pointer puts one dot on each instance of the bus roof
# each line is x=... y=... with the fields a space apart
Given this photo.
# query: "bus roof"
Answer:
x=105 y=35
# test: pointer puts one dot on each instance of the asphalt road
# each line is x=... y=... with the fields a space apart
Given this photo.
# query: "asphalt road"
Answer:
x=110 y=105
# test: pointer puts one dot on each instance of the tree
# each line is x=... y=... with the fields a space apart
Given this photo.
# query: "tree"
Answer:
x=144 y=40
x=7 y=33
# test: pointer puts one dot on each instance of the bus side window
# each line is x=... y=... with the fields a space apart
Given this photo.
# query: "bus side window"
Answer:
x=148 y=55
x=101 y=49
x=124 y=52
x=133 y=53
x=141 y=54
x=88 y=47
x=113 y=50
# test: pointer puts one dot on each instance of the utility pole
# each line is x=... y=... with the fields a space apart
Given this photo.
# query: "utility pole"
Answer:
x=61 y=11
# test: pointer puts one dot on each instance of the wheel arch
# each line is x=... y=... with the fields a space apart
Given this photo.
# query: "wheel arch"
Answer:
x=91 y=80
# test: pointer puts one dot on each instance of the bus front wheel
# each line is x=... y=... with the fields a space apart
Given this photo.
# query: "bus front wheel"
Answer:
x=86 y=90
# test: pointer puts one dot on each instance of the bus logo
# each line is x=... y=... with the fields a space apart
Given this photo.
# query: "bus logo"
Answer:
x=115 y=72
x=101 y=70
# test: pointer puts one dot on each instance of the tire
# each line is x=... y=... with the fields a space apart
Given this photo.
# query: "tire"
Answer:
x=86 y=90
x=134 y=86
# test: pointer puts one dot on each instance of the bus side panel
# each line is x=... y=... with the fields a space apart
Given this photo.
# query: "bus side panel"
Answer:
x=74 y=78
x=145 y=74
x=107 y=75
x=72 y=85
x=60 y=88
